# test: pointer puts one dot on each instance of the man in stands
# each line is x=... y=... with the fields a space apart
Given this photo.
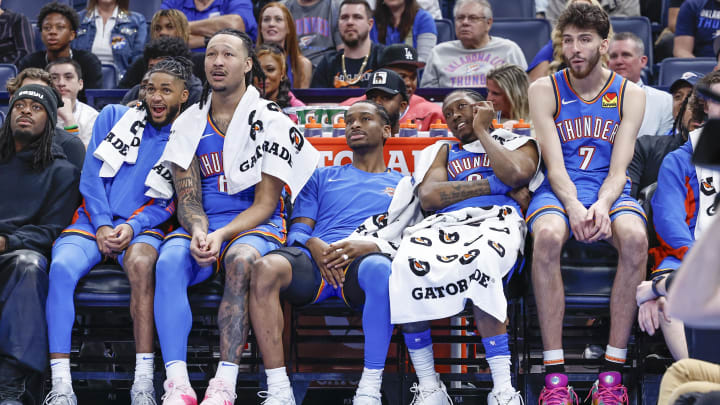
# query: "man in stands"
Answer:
x=71 y=144
x=696 y=28
x=74 y=116
x=403 y=60
x=16 y=37
x=352 y=65
x=316 y=23
x=58 y=26
x=627 y=58
x=230 y=207
x=42 y=193
x=208 y=17
x=465 y=61
x=118 y=219
x=388 y=89
x=586 y=119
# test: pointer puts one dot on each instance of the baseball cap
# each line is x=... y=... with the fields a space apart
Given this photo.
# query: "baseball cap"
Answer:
x=690 y=78
x=400 y=54
x=388 y=82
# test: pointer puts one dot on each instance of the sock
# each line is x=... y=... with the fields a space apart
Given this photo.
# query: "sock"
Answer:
x=554 y=361
x=228 y=372
x=177 y=369
x=614 y=359
x=144 y=366
x=277 y=379
x=497 y=353
x=60 y=369
x=371 y=380
x=421 y=353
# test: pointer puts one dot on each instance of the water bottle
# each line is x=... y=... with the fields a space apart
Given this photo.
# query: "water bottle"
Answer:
x=408 y=129
x=438 y=129
x=522 y=128
x=313 y=129
x=339 y=128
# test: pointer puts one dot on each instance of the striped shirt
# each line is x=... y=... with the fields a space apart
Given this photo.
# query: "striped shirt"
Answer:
x=16 y=37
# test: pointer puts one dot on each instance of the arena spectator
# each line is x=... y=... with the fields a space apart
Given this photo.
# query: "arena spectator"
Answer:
x=159 y=49
x=466 y=61
x=666 y=38
x=614 y=8
x=651 y=150
x=387 y=89
x=164 y=24
x=16 y=36
x=71 y=145
x=208 y=17
x=45 y=194
x=507 y=88
x=74 y=116
x=112 y=32
x=352 y=65
x=627 y=58
x=697 y=23
x=276 y=27
x=403 y=60
x=58 y=26
x=404 y=22
x=276 y=86
x=585 y=182
x=316 y=23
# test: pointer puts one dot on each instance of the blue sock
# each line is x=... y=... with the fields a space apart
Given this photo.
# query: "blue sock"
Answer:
x=419 y=346
x=497 y=354
x=373 y=276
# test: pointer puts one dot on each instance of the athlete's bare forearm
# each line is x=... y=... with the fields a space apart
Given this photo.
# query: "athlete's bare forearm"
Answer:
x=191 y=214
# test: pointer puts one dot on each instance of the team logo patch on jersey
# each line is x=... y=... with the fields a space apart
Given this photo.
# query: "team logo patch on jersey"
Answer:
x=469 y=256
x=707 y=187
x=420 y=240
x=380 y=220
x=419 y=267
x=609 y=100
x=446 y=259
x=449 y=238
x=389 y=191
x=497 y=247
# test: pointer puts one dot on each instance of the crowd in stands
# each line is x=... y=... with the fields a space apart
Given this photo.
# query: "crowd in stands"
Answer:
x=120 y=183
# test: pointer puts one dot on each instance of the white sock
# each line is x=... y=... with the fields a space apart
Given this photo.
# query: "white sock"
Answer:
x=228 y=372
x=177 y=370
x=615 y=355
x=277 y=379
x=144 y=366
x=371 y=379
x=500 y=369
x=60 y=369
x=424 y=363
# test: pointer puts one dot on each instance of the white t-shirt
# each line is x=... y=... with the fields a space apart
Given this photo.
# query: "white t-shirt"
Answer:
x=85 y=117
x=452 y=65
x=658 y=118
x=101 y=44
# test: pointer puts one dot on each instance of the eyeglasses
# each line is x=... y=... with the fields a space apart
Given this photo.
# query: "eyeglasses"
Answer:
x=471 y=18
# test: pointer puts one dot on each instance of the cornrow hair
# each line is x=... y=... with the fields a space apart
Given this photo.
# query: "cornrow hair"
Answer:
x=178 y=66
x=43 y=146
x=474 y=95
x=381 y=111
x=256 y=70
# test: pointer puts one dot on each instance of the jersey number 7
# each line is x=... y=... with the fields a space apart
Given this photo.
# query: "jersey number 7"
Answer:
x=587 y=153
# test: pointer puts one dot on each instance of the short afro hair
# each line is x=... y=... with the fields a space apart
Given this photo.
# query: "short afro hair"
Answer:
x=62 y=9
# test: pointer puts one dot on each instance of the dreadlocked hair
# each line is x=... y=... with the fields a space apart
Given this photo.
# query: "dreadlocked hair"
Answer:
x=178 y=66
x=677 y=125
x=43 y=146
x=256 y=70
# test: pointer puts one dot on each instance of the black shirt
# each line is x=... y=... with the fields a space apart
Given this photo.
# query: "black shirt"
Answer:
x=89 y=63
x=650 y=150
x=329 y=72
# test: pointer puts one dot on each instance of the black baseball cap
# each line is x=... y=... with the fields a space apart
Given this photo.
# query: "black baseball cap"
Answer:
x=388 y=82
x=687 y=78
x=400 y=54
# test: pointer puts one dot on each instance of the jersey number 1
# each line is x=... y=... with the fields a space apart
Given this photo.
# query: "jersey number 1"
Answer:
x=587 y=153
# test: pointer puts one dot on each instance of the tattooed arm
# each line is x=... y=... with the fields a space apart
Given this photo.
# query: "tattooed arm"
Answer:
x=436 y=192
x=191 y=214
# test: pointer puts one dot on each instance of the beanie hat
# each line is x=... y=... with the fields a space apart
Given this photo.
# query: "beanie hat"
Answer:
x=47 y=96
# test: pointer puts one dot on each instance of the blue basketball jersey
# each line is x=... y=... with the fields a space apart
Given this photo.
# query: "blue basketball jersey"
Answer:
x=587 y=130
x=468 y=166
x=220 y=206
x=341 y=198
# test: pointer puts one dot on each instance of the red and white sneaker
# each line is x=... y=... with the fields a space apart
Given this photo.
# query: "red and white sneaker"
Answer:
x=178 y=392
x=608 y=390
x=219 y=393
x=557 y=391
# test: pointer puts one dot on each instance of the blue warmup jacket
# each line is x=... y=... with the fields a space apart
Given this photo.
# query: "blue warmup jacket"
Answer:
x=675 y=209
x=123 y=197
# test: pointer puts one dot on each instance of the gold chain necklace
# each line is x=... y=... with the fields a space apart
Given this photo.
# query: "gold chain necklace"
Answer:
x=359 y=75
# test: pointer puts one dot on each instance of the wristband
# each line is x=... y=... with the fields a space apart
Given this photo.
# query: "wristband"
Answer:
x=299 y=233
x=497 y=186
x=70 y=127
x=655 y=282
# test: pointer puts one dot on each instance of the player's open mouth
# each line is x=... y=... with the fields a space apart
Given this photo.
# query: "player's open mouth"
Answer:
x=461 y=125
x=158 y=110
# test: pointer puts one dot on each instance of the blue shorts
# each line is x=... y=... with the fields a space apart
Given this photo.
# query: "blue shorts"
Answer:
x=546 y=202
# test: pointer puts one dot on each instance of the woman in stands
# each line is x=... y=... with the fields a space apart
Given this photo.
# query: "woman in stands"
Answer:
x=402 y=21
x=275 y=26
x=112 y=32
x=277 y=84
x=164 y=24
x=507 y=88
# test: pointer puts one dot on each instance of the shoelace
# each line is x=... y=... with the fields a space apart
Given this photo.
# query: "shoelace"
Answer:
x=217 y=387
x=268 y=396
x=171 y=390
x=421 y=395
x=144 y=398
x=54 y=395
x=506 y=400
x=607 y=396
x=556 y=396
